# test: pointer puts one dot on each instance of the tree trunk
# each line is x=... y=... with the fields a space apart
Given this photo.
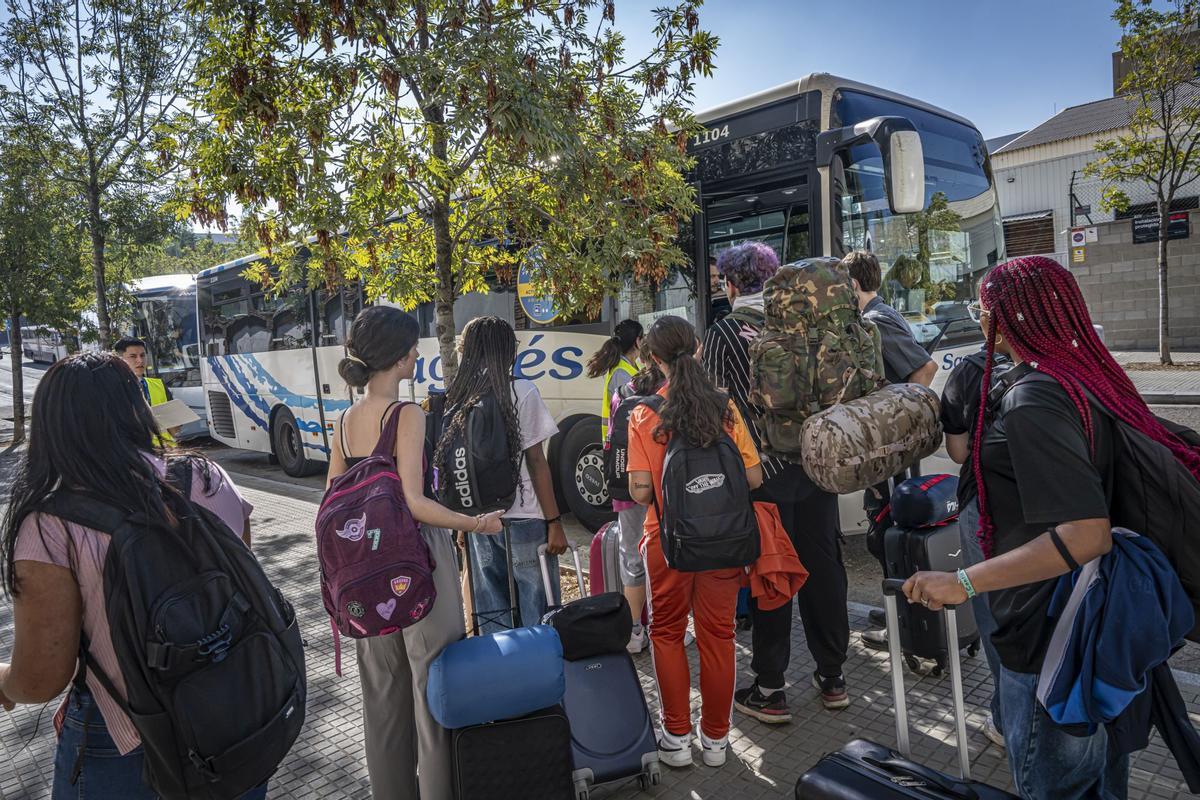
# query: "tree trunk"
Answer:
x=445 y=290
x=1164 y=323
x=18 y=377
x=95 y=228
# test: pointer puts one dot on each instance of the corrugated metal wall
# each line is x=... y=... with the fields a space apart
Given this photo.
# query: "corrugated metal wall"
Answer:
x=1042 y=186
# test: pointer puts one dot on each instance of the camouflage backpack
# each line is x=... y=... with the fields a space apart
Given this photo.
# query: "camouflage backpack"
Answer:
x=814 y=350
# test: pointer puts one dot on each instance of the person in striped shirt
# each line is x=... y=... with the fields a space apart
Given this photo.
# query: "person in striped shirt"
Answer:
x=809 y=514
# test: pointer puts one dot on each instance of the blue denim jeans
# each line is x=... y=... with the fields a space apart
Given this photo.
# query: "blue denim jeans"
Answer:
x=968 y=523
x=1047 y=762
x=105 y=774
x=490 y=575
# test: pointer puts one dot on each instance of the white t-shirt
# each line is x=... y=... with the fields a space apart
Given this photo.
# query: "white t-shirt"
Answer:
x=536 y=427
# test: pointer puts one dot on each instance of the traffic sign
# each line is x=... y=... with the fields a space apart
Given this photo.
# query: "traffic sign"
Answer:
x=539 y=308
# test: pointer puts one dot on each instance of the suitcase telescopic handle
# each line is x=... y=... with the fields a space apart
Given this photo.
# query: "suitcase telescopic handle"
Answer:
x=891 y=593
x=544 y=563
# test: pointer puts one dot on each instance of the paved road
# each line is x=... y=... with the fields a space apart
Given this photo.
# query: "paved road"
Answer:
x=765 y=761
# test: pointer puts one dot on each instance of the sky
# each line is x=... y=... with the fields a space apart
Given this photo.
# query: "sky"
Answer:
x=1006 y=65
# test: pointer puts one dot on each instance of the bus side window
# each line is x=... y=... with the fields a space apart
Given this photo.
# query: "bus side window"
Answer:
x=336 y=312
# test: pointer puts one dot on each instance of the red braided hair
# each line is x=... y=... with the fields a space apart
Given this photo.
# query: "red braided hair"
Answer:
x=1035 y=304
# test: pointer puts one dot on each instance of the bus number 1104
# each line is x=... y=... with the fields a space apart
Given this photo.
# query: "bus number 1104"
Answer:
x=710 y=135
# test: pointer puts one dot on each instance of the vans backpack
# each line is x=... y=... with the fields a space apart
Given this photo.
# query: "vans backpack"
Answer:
x=814 y=350
x=616 y=449
x=209 y=650
x=707 y=519
x=474 y=476
x=376 y=570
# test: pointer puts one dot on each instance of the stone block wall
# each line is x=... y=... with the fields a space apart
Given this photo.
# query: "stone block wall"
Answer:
x=1119 y=280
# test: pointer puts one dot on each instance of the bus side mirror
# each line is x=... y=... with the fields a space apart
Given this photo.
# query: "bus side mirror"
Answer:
x=903 y=157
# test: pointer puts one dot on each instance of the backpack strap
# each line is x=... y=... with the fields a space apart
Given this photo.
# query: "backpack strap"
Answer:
x=390 y=424
x=179 y=475
x=84 y=509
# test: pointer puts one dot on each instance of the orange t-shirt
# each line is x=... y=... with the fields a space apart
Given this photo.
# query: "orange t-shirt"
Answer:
x=646 y=454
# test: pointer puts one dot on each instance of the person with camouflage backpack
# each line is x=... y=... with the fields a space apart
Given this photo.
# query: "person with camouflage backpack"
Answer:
x=809 y=514
x=815 y=350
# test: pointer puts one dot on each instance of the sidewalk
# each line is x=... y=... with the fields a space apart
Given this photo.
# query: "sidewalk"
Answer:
x=765 y=761
x=1164 y=385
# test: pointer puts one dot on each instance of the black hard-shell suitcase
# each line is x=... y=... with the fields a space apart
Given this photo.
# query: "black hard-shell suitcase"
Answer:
x=923 y=632
x=527 y=758
x=612 y=736
x=865 y=769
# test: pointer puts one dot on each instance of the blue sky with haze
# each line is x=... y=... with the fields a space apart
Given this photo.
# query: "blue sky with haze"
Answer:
x=1003 y=65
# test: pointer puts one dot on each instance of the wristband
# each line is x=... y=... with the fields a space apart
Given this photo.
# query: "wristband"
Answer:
x=966 y=583
x=478 y=524
x=556 y=519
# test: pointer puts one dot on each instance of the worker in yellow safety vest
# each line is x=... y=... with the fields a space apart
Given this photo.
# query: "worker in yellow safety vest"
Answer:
x=133 y=352
x=616 y=360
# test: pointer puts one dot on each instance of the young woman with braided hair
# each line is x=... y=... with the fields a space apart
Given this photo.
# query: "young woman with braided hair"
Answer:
x=488 y=352
x=694 y=408
x=1044 y=463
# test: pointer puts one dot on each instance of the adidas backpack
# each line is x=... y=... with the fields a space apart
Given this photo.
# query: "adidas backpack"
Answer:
x=707 y=519
x=209 y=650
x=474 y=476
x=376 y=570
x=616 y=449
x=814 y=350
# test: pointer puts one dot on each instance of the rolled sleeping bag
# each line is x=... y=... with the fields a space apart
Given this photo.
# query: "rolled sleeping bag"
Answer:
x=498 y=676
x=851 y=446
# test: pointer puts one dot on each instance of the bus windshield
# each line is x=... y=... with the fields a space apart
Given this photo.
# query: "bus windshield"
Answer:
x=166 y=321
x=932 y=260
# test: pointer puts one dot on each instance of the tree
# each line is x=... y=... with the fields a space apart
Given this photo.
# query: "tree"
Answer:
x=43 y=278
x=1162 y=50
x=447 y=139
x=104 y=80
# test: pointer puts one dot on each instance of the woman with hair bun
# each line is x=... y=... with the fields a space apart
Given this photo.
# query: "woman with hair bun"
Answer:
x=399 y=730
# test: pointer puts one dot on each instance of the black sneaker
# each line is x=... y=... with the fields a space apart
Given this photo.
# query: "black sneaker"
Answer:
x=769 y=708
x=833 y=691
x=877 y=618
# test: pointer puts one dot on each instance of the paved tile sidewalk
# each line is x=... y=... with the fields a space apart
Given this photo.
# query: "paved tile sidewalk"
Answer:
x=765 y=761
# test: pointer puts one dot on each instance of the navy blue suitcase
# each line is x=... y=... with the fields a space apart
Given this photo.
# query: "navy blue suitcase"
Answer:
x=612 y=737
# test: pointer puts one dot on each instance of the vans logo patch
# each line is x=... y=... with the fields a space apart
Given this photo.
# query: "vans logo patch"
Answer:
x=702 y=483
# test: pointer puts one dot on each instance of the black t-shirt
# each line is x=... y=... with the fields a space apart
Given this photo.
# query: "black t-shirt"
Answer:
x=960 y=411
x=1039 y=473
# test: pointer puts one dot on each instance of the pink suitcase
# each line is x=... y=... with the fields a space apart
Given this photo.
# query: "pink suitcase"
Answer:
x=604 y=562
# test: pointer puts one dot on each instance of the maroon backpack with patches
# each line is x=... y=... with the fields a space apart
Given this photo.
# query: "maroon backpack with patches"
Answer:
x=376 y=570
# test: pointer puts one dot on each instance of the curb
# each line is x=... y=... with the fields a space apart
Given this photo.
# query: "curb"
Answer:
x=1153 y=399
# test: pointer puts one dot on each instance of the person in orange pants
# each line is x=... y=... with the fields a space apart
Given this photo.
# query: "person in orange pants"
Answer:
x=696 y=409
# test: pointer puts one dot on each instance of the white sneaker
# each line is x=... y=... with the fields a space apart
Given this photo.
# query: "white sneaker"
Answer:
x=994 y=735
x=714 y=751
x=637 y=642
x=675 y=751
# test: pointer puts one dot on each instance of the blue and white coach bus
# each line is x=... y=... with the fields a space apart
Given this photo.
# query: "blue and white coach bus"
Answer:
x=818 y=166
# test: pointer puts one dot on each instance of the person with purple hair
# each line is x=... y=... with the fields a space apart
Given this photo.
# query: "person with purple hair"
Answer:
x=809 y=515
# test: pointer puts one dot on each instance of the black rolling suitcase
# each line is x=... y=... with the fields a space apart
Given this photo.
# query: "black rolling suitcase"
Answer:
x=865 y=769
x=924 y=536
x=527 y=758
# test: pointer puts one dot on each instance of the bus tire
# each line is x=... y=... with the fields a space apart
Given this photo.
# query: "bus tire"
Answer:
x=580 y=474
x=287 y=445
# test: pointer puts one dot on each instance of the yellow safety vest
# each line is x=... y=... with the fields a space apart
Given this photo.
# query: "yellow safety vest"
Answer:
x=158 y=396
x=629 y=369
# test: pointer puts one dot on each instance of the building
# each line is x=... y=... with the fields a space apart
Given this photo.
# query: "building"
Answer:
x=1044 y=196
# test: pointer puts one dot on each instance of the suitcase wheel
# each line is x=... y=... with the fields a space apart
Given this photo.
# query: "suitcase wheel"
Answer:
x=651 y=777
x=581 y=789
x=913 y=663
x=973 y=649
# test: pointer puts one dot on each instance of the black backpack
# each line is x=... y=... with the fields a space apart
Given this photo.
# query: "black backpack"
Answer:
x=707 y=518
x=616 y=449
x=209 y=650
x=474 y=476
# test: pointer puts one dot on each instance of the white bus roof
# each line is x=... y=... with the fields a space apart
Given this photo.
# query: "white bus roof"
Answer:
x=817 y=81
x=160 y=283
x=237 y=262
